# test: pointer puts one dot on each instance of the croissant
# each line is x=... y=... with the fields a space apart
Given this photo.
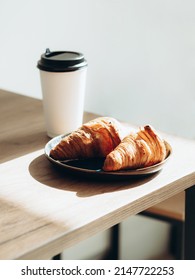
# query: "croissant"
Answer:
x=96 y=138
x=137 y=150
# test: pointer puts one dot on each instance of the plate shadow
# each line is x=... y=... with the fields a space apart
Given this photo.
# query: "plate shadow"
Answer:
x=42 y=170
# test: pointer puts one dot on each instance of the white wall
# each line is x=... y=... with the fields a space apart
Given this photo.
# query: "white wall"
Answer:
x=141 y=54
x=144 y=238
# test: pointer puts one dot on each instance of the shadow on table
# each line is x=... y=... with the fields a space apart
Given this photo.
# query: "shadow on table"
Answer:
x=48 y=174
x=22 y=125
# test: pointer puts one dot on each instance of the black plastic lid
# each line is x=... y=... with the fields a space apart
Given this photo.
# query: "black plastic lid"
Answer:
x=61 y=61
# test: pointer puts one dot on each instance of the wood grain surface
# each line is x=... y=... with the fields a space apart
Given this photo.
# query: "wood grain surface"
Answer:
x=44 y=210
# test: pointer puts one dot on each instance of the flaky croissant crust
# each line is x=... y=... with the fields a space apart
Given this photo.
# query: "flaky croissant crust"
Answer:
x=96 y=138
x=141 y=149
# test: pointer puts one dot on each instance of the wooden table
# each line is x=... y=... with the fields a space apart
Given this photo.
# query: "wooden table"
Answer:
x=44 y=210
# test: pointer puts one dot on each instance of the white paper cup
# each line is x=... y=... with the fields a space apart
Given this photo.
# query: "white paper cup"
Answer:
x=63 y=80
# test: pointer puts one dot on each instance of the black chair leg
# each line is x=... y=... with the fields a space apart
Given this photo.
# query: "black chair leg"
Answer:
x=176 y=240
x=114 y=252
x=57 y=257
